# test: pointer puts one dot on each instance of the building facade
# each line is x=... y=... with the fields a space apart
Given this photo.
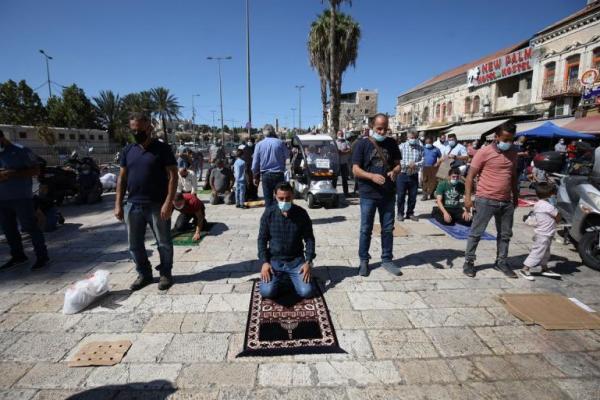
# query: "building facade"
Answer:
x=356 y=109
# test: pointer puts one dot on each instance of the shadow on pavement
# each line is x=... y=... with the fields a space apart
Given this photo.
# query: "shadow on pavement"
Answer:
x=330 y=220
x=239 y=269
x=565 y=266
x=155 y=390
x=435 y=257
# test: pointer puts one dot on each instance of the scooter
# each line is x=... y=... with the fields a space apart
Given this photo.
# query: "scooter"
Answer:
x=578 y=201
x=88 y=179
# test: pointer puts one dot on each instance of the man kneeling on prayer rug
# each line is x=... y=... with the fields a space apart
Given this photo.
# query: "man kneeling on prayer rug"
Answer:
x=286 y=246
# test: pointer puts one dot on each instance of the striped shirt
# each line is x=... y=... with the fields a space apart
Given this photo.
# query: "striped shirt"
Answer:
x=410 y=154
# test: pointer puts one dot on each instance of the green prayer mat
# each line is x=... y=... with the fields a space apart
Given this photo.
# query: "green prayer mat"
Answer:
x=202 y=191
x=185 y=238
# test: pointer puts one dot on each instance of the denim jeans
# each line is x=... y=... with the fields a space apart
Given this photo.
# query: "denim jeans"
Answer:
x=485 y=209
x=21 y=210
x=270 y=180
x=240 y=193
x=283 y=271
x=137 y=216
x=385 y=208
x=407 y=185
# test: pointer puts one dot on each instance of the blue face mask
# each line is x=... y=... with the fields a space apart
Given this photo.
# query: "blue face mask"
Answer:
x=503 y=146
x=452 y=143
x=429 y=145
x=378 y=137
x=413 y=142
x=453 y=181
x=284 y=206
x=552 y=200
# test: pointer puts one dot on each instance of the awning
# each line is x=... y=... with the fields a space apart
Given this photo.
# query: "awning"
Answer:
x=549 y=130
x=474 y=131
x=528 y=125
x=424 y=128
x=589 y=124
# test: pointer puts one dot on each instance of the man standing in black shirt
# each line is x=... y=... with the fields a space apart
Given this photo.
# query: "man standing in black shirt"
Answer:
x=284 y=230
x=376 y=164
x=149 y=175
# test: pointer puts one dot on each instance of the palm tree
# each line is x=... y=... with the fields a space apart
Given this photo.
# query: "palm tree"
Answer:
x=347 y=36
x=166 y=106
x=111 y=112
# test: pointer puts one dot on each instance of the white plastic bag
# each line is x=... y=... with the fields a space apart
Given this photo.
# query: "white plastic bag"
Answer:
x=83 y=293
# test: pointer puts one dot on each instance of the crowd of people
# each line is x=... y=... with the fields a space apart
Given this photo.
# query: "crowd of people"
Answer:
x=387 y=176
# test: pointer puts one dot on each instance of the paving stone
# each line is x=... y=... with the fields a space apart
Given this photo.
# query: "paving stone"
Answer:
x=346 y=319
x=282 y=393
x=337 y=300
x=532 y=366
x=580 y=389
x=465 y=370
x=405 y=343
x=335 y=373
x=513 y=340
x=164 y=323
x=461 y=298
x=534 y=390
x=455 y=342
x=355 y=343
x=57 y=394
x=385 y=319
x=580 y=340
x=425 y=371
x=450 y=317
x=153 y=376
x=35 y=347
x=194 y=323
x=53 y=376
x=113 y=322
x=217 y=288
x=193 y=288
x=145 y=348
x=228 y=302
x=39 y=303
x=227 y=322
x=285 y=375
x=404 y=392
x=188 y=348
x=221 y=374
x=17 y=394
x=47 y=322
x=104 y=376
x=385 y=301
x=10 y=372
x=574 y=365
x=9 y=321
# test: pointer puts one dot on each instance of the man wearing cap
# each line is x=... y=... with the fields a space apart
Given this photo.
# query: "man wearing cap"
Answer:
x=268 y=163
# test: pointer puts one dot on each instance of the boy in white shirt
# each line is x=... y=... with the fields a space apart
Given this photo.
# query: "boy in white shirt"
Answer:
x=546 y=219
x=187 y=181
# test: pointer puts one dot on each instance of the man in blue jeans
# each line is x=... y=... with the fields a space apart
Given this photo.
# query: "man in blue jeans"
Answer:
x=17 y=166
x=149 y=174
x=376 y=164
x=285 y=228
x=268 y=163
x=407 y=182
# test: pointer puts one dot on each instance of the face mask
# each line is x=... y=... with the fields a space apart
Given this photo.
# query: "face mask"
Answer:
x=140 y=136
x=377 y=136
x=413 y=142
x=452 y=143
x=503 y=146
x=552 y=200
x=453 y=181
x=249 y=144
x=429 y=145
x=284 y=206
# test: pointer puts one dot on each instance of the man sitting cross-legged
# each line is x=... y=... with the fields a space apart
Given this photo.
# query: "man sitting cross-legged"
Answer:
x=191 y=208
x=285 y=229
x=449 y=198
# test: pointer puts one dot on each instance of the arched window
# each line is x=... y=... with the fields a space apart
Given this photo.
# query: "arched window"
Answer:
x=443 y=111
x=549 y=72
x=409 y=117
x=437 y=112
x=475 y=104
x=468 y=105
x=425 y=115
x=449 y=109
x=572 y=69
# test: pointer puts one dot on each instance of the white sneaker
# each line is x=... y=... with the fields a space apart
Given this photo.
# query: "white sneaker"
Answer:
x=526 y=274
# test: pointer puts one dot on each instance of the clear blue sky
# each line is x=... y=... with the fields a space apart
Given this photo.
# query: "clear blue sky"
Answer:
x=131 y=45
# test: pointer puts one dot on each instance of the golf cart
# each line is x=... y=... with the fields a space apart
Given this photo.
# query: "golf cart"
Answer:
x=314 y=168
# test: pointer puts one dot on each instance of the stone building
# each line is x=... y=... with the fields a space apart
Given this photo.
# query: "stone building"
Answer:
x=356 y=109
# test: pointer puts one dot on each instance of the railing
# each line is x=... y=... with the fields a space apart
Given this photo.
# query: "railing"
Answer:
x=561 y=88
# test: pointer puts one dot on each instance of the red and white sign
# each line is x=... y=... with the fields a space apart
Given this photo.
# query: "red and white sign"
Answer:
x=502 y=67
x=589 y=77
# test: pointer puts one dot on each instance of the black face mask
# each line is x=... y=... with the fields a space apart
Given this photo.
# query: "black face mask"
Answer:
x=140 y=136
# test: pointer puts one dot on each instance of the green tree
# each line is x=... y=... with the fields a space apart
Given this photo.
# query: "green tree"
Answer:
x=20 y=105
x=112 y=115
x=72 y=110
x=166 y=106
x=318 y=54
x=139 y=102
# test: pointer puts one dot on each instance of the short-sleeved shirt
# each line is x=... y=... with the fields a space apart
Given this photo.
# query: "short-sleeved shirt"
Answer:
x=239 y=170
x=189 y=183
x=147 y=177
x=222 y=179
x=452 y=195
x=545 y=214
x=458 y=150
x=192 y=204
x=366 y=156
x=17 y=158
x=496 y=170
x=431 y=156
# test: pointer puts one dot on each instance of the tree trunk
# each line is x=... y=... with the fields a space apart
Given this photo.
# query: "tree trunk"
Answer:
x=324 y=102
x=164 y=122
x=333 y=72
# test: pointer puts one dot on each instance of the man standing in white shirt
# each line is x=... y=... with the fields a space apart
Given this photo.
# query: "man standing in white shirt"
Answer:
x=441 y=143
x=455 y=150
x=187 y=182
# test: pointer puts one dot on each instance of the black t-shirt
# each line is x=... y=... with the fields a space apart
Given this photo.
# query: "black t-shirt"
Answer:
x=147 y=178
x=366 y=156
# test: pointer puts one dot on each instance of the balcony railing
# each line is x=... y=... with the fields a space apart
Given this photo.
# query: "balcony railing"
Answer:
x=570 y=88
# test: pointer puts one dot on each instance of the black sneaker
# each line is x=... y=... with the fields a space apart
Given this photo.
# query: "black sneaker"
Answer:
x=469 y=269
x=40 y=263
x=363 y=269
x=509 y=273
x=140 y=283
x=165 y=282
x=13 y=262
x=400 y=218
x=413 y=218
x=392 y=268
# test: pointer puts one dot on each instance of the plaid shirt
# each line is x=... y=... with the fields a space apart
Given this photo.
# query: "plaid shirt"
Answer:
x=283 y=238
x=410 y=154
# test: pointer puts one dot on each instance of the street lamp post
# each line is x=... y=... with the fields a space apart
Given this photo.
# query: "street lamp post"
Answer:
x=218 y=59
x=47 y=71
x=194 y=115
x=248 y=67
x=299 y=87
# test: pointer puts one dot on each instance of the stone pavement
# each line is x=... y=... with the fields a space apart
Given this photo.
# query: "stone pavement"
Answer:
x=430 y=334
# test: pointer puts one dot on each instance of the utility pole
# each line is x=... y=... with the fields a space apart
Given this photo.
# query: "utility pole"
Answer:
x=248 y=67
x=293 y=118
x=47 y=72
x=218 y=59
x=213 y=124
x=299 y=87
x=193 y=114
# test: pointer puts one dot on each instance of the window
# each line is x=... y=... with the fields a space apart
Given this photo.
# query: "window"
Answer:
x=549 y=72
x=366 y=110
x=572 y=69
x=100 y=137
x=443 y=110
x=348 y=111
x=22 y=135
x=528 y=82
x=437 y=111
x=425 y=115
x=468 y=105
x=475 y=104
x=61 y=136
x=91 y=137
x=449 y=108
x=366 y=97
x=81 y=137
x=596 y=61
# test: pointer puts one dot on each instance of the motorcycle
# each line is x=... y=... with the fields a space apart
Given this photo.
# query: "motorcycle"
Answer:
x=88 y=179
x=578 y=201
x=57 y=182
